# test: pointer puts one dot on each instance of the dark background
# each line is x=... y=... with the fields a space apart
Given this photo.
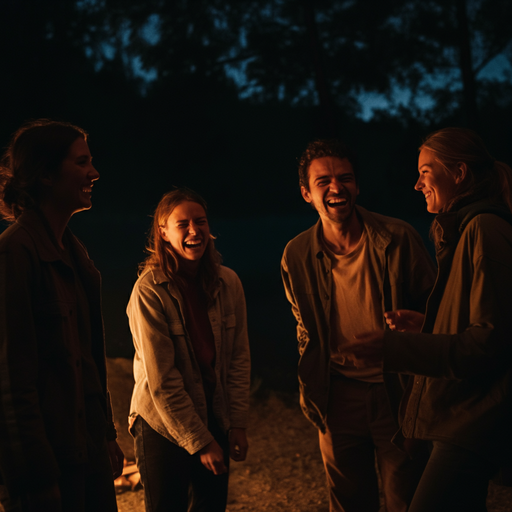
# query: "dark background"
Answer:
x=223 y=96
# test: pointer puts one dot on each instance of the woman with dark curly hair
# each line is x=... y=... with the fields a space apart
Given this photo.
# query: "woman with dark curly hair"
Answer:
x=55 y=414
x=190 y=402
x=460 y=351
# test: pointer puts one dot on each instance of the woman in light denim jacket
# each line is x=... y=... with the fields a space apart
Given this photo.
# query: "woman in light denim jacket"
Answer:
x=192 y=365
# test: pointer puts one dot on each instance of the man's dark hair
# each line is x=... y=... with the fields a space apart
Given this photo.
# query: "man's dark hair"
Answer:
x=319 y=149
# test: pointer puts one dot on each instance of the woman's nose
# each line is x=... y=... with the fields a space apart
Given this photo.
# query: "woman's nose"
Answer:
x=93 y=174
x=419 y=184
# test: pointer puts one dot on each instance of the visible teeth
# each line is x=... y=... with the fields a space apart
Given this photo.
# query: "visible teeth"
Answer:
x=337 y=201
x=85 y=189
x=192 y=244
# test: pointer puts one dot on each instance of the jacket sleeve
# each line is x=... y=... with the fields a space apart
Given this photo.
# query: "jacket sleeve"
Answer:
x=239 y=372
x=24 y=447
x=166 y=389
x=475 y=317
x=302 y=332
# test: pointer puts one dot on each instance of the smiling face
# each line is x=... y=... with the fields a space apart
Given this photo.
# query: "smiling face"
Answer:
x=188 y=232
x=437 y=184
x=71 y=188
x=332 y=188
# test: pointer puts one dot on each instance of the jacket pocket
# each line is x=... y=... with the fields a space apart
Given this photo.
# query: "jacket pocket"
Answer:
x=229 y=321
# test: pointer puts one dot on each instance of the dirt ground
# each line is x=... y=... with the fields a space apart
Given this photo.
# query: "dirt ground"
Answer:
x=283 y=470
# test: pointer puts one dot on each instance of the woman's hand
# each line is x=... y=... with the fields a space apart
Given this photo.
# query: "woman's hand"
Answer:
x=404 y=320
x=116 y=458
x=366 y=350
x=238 y=444
x=212 y=458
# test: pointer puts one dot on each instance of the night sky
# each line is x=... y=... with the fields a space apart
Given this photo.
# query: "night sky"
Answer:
x=223 y=96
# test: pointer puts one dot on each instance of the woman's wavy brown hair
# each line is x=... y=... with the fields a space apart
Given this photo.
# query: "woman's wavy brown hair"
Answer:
x=161 y=253
x=36 y=150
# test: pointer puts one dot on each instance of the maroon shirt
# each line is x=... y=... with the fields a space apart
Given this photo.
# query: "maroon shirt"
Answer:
x=200 y=331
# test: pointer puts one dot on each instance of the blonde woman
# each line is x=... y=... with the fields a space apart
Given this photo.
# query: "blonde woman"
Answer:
x=460 y=351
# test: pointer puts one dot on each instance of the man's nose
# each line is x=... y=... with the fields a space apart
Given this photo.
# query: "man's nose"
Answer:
x=336 y=187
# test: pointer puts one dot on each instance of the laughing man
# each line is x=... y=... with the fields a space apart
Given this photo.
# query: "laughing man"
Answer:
x=340 y=276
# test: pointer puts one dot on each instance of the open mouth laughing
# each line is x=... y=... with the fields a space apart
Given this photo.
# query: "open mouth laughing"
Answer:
x=192 y=244
x=336 y=202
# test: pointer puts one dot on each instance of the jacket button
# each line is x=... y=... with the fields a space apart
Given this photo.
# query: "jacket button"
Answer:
x=326 y=297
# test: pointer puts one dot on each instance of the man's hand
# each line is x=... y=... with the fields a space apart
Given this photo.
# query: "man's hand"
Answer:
x=238 y=444
x=404 y=320
x=116 y=458
x=212 y=458
x=366 y=350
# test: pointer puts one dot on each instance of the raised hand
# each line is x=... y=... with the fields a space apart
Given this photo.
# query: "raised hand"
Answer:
x=404 y=320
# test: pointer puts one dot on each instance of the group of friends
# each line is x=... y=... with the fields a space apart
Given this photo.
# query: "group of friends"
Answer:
x=404 y=369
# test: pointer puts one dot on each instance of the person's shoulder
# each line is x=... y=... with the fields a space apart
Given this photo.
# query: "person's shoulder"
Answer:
x=300 y=243
x=150 y=278
x=228 y=275
x=489 y=223
x=15 y=236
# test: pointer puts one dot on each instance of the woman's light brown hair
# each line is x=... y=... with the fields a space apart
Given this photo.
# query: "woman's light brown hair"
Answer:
x=161 y=253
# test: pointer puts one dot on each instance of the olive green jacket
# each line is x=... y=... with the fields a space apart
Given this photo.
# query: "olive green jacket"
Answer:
x=406 y=277
x=463 y=358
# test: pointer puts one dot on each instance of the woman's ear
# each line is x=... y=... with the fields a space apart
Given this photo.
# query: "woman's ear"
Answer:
x=163 y=234
x=461 y=171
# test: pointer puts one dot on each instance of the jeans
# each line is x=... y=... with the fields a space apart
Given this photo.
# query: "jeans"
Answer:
x=174 y=480
x=360 y=426
x=455 y=480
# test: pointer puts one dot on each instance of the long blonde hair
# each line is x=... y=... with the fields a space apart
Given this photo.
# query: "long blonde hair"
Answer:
x=161 y=253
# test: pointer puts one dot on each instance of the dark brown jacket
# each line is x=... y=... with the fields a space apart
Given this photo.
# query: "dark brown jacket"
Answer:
x=42 y=423
x=463 y=357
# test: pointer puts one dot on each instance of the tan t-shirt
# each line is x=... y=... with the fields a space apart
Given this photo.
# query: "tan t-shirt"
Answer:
x=356 y=306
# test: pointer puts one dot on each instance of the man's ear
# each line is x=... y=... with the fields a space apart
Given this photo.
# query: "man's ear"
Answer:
x=461 y=172
x=306 y=194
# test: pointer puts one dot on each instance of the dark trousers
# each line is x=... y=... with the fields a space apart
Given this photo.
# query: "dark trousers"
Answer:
x=455 y=480
x=359 y=431
x=83 y=488
x=174 y=480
